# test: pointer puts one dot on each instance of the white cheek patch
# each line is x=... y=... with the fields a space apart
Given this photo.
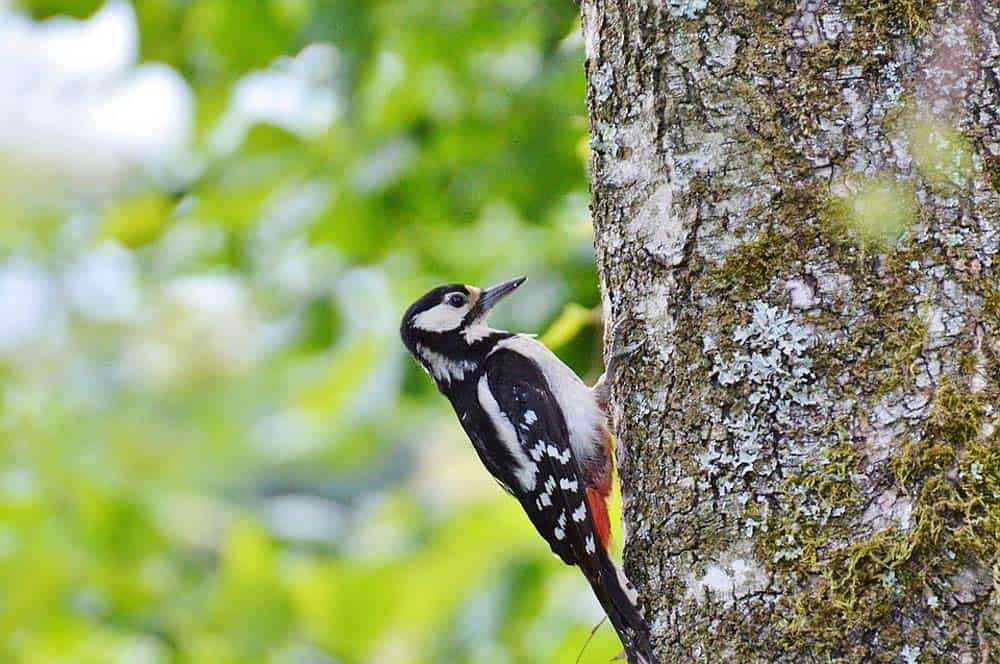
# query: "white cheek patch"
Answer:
x=441 y=318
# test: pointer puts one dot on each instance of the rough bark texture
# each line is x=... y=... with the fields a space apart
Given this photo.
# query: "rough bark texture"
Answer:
x=809 y=451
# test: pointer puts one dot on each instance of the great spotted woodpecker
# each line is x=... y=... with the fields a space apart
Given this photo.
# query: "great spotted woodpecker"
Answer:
x=538 y=429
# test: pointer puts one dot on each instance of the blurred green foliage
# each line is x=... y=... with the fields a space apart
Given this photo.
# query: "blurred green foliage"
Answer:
x=214 y=449
x=881 y=210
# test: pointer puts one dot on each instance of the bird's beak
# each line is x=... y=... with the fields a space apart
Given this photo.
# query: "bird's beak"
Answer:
x=489 y=297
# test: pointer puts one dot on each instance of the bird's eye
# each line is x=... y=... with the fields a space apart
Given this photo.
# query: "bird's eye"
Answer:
x=456 y=300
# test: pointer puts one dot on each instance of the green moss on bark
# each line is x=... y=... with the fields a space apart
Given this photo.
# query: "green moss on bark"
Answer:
x=750 y=268
x=992 y=167
x=912 y=16
x=853 y=586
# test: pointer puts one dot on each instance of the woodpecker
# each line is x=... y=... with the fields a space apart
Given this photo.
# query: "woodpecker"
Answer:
x=538 y=429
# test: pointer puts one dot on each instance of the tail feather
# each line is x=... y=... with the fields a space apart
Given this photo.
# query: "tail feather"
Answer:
x=599 y=513
x=618 y=598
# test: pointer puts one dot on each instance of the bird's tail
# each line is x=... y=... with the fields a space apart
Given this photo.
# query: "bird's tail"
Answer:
x=618 y=598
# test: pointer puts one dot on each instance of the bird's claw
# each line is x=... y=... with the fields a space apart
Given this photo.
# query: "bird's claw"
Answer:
x=620 y=350
x=617 y=353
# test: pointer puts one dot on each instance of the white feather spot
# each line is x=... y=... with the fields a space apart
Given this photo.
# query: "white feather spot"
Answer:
x=562 y=519
x=580 y=513
x=568 y=485
x=530 y=417
x=443 y=368
x=525 y=470
x=590 y=546
x=565 y=456
x=550 y=484
x=553 y=451
x=545 y=501
x=630 y=591
x=560 y=533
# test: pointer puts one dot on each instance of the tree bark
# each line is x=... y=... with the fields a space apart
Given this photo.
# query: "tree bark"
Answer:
x=796 y=214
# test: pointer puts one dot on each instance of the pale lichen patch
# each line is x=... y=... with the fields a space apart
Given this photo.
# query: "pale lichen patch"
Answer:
x=667 y=235
x=910 y=654
x=686 y=8
x=800 y=294
x=889 y=510
x=771 y=371
x=726 y=581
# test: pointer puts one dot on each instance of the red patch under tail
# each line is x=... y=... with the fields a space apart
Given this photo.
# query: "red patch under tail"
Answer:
x=599 y=512
x=599 y=488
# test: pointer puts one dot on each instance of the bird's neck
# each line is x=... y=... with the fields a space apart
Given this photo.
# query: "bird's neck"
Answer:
x=455 y=358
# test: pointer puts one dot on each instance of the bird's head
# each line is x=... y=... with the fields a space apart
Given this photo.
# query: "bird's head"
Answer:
x=446 y=329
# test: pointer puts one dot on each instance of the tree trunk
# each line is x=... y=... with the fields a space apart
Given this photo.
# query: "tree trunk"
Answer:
x=796 y=213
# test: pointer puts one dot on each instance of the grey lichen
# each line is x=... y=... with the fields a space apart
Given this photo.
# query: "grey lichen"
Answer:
x=604 y=139
x=772 y=373
x=686 y=8
x=602 y=79
x=910 y=654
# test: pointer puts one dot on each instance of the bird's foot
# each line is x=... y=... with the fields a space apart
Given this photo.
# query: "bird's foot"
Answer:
x=619 y=352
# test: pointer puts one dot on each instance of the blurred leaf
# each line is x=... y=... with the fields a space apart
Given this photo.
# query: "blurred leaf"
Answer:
x=143 y=433
x=74 y=8
x=246 y=34
x=942 y=154
x=138 y=220
x=348 y=368
x=882 y=210
x=251 y=605
x=571 y=320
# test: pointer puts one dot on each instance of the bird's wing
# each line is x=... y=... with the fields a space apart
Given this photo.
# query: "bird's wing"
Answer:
x=556 y=503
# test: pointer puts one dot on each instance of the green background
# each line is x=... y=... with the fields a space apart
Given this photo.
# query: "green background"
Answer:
x=248 y=468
